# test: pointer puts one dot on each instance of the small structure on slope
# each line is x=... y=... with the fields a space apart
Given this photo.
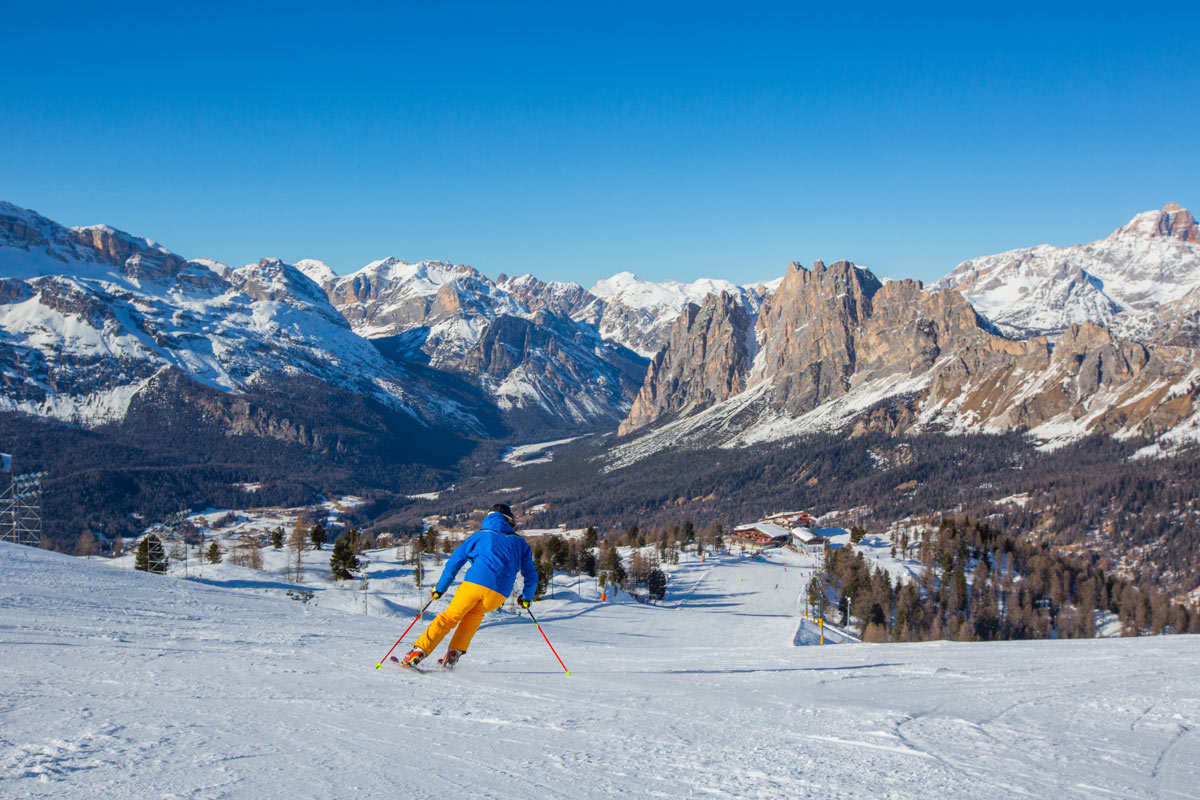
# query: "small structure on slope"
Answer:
x=791 y=519
x=763 y=534
x=805 y=540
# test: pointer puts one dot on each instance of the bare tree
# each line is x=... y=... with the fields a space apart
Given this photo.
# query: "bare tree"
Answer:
x=86 y=545
x=246 y=554
x=296 y=542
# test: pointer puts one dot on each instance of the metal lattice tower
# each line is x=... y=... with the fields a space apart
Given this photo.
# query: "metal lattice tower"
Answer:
x=170 y=527
x=21 y=510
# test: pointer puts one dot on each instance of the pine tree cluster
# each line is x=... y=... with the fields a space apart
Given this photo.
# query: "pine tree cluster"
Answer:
x=979 y=585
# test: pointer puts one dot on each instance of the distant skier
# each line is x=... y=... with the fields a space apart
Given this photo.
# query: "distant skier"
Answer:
x=496 y=554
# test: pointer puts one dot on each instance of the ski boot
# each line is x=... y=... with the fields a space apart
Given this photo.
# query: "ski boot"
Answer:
x=450 y=659
x=413 y=657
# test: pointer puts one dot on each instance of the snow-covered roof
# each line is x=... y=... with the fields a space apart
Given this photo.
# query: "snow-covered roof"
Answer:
x=790 y=516
x=807 y=536
x=768 y=528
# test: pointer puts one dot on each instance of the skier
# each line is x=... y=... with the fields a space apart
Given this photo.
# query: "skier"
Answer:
x=496 y=554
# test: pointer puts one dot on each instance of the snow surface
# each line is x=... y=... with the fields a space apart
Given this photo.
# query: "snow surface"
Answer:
x=538 y=453
x=127 y=685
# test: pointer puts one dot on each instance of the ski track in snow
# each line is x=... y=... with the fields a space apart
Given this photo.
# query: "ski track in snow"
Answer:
x=126 y=685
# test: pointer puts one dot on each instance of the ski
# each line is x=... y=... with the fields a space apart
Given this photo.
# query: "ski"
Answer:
x=402 y=666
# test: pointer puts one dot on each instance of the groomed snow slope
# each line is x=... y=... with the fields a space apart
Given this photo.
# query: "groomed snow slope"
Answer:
x=126 y=685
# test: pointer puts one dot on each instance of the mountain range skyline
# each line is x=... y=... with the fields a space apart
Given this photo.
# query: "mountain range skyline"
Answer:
x=86 y=304
x=403 y=380
x=770 y=273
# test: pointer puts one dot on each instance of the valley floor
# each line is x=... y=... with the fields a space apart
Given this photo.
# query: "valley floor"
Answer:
x=126 y=685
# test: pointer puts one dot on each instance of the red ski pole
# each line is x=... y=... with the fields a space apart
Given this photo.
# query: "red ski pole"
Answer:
x=552 y=650
x=406 y=630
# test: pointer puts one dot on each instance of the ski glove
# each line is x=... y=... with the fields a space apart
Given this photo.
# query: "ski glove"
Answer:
x=434 y=595
x=522 y=602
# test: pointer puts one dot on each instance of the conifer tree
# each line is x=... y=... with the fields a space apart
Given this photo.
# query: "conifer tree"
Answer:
x=214 y=553
x=141 y=556
x=958 y=590
x=656 y=583
x=343 y=561
x=619 y=574
x=545 y=572
x=556 y=552
x=317 y=535
x=277 y=538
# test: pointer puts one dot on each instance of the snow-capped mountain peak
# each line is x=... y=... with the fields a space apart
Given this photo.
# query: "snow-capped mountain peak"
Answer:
x=274 y=281
x=1141 y=267
x=318 y=271
x=1173 y=221
x=634 y=292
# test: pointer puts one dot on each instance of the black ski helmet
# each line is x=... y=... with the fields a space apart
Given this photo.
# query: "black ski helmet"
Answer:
x=506 y=511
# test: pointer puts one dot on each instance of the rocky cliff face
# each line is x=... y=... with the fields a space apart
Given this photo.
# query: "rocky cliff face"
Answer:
x=557 y=297
x=706 y=359
x=551 y=368
x=823 y=332
x=639 y=314
x=839 y=350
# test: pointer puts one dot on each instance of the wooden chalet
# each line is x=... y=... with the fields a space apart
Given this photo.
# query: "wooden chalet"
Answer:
x=762 y=534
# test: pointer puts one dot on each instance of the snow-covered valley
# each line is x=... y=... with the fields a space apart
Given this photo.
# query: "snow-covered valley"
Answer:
x=122 y=684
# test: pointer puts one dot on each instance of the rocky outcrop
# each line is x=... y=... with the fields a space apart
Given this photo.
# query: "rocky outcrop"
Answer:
x=840 y=350
x=391 y=297
x=550 y=367
x=271 y=280
x=557 y=297
x=823 y=332
x=706 y=359
x=1172 y=222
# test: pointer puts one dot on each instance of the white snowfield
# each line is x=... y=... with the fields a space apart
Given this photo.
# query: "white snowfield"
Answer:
x=126 y=685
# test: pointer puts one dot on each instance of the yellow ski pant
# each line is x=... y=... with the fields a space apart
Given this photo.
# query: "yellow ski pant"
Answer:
x=466 y=610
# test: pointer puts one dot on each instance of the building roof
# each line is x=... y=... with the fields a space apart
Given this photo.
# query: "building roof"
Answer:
x=807 y=536
x=768 y=528
x=791 y=515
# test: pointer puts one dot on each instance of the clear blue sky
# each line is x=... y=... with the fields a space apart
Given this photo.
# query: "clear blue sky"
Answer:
x=674 y=140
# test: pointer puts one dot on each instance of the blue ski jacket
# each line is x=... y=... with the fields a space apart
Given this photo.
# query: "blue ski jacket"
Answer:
x=496 y=553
